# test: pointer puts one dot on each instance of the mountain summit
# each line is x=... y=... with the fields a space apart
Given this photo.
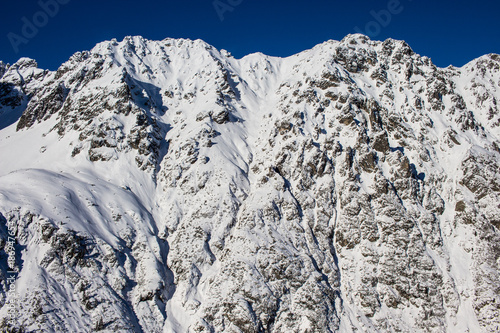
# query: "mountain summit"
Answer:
x=165 y=186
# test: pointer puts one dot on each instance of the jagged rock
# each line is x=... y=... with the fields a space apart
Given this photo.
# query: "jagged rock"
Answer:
x=165 y=186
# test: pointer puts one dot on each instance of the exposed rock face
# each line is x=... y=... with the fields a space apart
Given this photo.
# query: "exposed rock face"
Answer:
x=168 y=187
x=3 y=68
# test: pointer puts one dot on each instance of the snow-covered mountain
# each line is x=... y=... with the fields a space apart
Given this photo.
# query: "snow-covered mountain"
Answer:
x=165 y=186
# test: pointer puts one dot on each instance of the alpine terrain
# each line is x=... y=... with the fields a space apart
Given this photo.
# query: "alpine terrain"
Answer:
x=165 y=186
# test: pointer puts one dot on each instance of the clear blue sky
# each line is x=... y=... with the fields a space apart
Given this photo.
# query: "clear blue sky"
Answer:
x=450 y=32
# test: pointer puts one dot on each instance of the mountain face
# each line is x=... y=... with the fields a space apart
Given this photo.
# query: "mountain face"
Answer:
x=165 y=186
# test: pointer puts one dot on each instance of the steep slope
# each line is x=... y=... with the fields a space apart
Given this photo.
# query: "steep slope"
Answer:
x=165 y=186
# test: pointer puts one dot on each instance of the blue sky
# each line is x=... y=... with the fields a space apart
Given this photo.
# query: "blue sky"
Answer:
x=449 y=32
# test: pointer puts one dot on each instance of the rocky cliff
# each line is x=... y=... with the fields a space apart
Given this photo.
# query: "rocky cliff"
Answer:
x=165 y=186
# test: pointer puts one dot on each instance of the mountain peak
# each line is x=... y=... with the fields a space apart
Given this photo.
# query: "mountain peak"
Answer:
x=165 y=186
x=24 y=63
x=3 y=68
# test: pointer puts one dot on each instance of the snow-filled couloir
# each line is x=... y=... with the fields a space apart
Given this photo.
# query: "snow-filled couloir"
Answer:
x=165 y=186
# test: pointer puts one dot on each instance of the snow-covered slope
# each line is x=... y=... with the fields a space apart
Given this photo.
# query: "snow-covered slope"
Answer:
x=165 y=186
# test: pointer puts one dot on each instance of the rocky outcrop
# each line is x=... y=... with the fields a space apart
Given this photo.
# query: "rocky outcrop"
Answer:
x=171 y=187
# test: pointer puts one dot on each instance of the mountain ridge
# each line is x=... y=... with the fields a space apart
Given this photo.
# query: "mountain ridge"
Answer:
x=167 y=186
x=260 y=53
